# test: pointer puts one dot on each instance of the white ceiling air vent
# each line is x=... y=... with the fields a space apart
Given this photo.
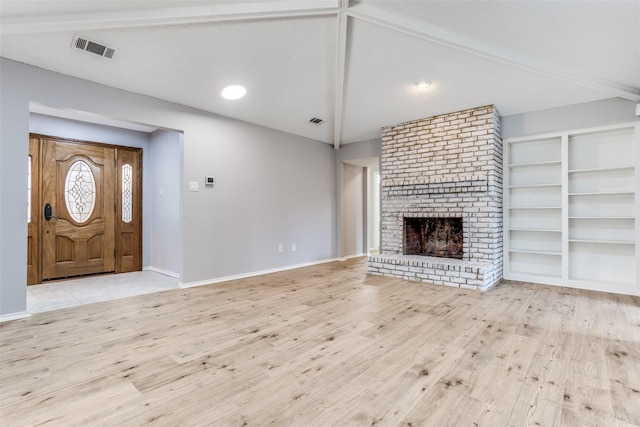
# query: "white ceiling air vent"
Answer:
x=86 y=45
x=316 y=120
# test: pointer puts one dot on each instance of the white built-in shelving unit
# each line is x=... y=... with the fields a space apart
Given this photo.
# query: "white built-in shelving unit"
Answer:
x=571 y=209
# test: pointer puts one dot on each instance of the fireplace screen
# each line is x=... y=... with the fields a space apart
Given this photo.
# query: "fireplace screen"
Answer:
x=439 y=237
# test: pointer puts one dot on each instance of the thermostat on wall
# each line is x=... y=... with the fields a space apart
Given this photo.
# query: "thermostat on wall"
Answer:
x=209 y=181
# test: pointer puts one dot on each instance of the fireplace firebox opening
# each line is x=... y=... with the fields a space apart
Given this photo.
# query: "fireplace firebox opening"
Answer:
x=437 y=237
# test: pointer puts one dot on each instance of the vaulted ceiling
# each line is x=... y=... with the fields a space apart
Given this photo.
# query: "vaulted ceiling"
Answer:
x=353 y=64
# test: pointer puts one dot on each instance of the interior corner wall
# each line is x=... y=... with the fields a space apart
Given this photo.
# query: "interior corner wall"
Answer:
x=374 y=209
x=271 y=187
x=164 y=191
x=352 y=215
x=349 y=154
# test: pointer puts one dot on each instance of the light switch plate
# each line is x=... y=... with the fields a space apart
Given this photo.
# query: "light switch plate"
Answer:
x=193 y=185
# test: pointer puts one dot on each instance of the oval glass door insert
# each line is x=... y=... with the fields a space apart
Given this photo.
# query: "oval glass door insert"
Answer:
x=80 y=191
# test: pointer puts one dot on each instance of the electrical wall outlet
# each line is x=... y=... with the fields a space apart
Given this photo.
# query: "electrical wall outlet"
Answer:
x=193 y=185
x=280 y=248
x=293 y=247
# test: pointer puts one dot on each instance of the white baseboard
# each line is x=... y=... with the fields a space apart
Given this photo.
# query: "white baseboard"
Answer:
x=344 y=258
x=14 y=316
x=252 y=274
x=161 y=271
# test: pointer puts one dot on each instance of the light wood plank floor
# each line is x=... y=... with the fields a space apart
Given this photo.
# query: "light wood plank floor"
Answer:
x=328 y=346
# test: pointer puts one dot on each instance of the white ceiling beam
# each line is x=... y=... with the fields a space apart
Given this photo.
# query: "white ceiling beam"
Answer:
x=168 y=16
x=84 y=116
x=341 y=61
x=434 y=35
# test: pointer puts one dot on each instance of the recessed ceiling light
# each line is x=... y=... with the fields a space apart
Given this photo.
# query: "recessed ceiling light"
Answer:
x=233 y=91
x=423 y=84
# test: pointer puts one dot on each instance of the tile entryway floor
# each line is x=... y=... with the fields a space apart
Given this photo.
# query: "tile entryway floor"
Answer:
x=69 y=293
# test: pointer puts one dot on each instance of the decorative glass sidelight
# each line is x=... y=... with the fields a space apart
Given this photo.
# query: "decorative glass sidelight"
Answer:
x=80 y=191
x=127 y=192
x=29 y=192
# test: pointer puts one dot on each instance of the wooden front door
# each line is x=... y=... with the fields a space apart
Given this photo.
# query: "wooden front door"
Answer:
x=78 y=208
x=85 y=212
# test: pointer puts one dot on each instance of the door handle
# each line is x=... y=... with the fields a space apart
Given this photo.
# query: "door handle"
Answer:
x=47 y=213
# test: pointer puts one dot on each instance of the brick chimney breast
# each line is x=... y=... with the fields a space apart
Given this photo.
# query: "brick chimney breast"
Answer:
x=446 y=166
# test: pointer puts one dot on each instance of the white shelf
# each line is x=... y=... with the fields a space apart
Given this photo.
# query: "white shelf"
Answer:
x=609 y=181
x=528 y=251
x=536 y=185
x=610 y=193
x=544 y=230
x=535 y=207
x=536 y=264
x=541 y=174
x=601 y=217
x=610 y=149
x=547 y=163
x=544 y=152
x=610 y=169
x=607 y=242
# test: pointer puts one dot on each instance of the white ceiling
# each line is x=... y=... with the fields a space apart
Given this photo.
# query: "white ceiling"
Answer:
x=353 y=64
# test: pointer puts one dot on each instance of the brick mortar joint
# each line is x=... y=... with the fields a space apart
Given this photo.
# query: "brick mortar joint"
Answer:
x=461 y=179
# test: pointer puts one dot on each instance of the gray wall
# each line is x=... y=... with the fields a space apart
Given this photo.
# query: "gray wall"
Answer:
x=272 y=188
x=589 y=114
x=360 y=150
x=164 y=191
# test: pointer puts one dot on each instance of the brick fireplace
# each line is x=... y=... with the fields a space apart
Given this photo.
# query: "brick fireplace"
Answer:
x=443 y=167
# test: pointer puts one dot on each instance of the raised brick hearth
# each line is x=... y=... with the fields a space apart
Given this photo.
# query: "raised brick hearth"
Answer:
x=444 y=166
